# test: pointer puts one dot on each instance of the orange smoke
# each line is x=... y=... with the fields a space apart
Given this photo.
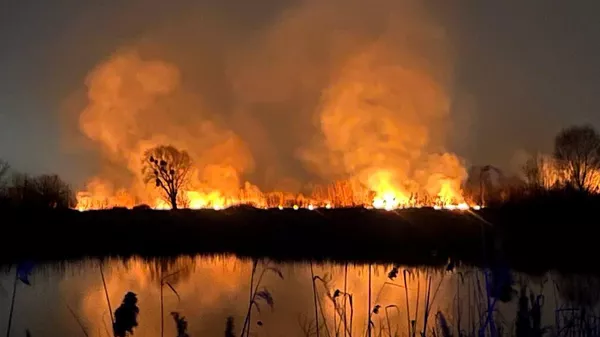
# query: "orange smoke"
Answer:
x=355 y=111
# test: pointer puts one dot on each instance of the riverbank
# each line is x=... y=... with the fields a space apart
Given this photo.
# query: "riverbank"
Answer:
x=529 y=238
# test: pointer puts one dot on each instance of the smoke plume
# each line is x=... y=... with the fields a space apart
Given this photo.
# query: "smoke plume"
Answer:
x=314 y=92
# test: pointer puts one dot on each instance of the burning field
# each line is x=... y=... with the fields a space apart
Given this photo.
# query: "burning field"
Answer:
x=325 y=104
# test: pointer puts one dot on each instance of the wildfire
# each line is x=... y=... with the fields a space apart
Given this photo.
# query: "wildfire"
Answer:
x=341 y=194
x=370 y=118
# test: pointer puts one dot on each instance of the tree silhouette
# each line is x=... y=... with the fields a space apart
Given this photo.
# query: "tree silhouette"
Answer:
x=53 y=192
x=44 y=191
x=485 y=180
x=532 y=169
x=4 y=167
x=577 y=150
x=542 y=173
x=169 y=169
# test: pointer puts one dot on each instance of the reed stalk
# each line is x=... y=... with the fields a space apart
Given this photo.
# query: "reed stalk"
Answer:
x=370 y=310
x=110 y=312
x=12 y=302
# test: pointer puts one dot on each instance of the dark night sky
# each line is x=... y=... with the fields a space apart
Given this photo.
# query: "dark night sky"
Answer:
x=524 y=69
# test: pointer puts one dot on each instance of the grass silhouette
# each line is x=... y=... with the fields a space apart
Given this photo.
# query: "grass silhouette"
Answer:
x=576 y=307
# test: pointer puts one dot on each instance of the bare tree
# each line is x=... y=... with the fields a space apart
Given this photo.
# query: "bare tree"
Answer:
x=535 y=171
x=53 y=192
x=169 y=169
x=542 y=173
x=21 y=191
x=577 y=150
x=44 y=191
x=4 y=167
x=486 y=184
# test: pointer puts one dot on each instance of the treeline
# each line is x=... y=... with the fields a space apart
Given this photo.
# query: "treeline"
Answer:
x=19 y=190
x=572 y=170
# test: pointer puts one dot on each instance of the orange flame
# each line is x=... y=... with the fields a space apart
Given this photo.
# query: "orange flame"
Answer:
x=383 y=196
x=378 y=96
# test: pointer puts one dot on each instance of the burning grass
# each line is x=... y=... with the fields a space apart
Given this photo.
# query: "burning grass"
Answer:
x=346 y=193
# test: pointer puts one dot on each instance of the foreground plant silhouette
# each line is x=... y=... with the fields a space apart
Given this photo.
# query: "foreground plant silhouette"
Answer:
x=126 y=316
x=257 y=295
x=229 y=327
x=180 y=324
x=163 y=282
x=338 y=310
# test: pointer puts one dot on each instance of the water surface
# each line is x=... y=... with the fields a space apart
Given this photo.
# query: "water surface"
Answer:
x=65 y=299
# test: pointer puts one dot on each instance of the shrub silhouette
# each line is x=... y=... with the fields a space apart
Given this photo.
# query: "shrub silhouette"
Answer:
x=126 y=315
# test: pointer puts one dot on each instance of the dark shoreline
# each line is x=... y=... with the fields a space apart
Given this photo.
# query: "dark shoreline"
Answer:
x=532 y=239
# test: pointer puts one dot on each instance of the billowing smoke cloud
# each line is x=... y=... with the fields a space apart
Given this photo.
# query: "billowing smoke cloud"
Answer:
x=320 y=91
x=135 y=104
x=382 y=123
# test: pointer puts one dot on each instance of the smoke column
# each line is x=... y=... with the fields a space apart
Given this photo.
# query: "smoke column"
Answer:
x=315 y=92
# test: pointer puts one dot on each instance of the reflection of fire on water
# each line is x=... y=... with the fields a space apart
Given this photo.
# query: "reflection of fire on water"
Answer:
x=211 y=289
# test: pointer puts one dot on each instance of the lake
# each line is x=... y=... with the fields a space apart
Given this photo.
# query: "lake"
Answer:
x=69 y=298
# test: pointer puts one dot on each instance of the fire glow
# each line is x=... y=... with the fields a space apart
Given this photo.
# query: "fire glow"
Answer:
x=356 y=115
x=388 y=200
